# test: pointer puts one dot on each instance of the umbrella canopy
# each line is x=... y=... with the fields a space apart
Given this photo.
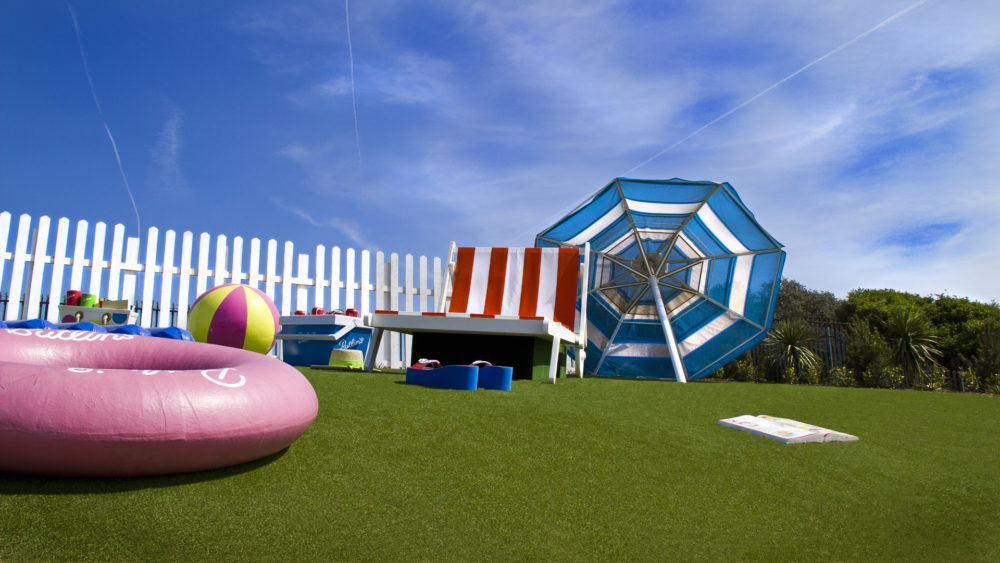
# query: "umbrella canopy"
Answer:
x=683 y=277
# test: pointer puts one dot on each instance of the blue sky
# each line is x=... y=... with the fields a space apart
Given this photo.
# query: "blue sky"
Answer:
x=485 y=122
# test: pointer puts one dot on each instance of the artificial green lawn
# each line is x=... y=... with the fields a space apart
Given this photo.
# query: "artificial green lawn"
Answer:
x=585 y=470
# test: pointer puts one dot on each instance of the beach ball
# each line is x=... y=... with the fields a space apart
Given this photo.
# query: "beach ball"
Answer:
x=234 y=315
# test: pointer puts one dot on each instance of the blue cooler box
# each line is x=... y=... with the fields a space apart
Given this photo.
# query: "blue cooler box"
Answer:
x=310 y=350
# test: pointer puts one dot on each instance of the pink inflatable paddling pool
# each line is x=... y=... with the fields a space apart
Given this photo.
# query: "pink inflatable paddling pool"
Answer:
x=99 y=404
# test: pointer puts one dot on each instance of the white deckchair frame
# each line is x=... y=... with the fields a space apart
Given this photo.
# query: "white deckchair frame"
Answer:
x=547 y=329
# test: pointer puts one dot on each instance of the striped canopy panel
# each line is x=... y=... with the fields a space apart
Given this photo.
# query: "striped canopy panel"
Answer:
x=715 y=267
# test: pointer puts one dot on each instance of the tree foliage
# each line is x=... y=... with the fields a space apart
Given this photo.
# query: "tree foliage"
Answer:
x=959 y=322
x=956 y=321
x=796 y=302
x=875 y=305
x=893 y=337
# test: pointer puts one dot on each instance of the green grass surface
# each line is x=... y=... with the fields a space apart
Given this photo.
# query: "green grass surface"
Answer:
x=585 y=470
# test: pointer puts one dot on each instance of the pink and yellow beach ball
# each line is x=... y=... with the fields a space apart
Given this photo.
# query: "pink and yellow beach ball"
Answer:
x=234 y=315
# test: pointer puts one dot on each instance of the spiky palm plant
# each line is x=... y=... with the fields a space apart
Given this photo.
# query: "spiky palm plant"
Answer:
x=912 y=343
x=790 y=342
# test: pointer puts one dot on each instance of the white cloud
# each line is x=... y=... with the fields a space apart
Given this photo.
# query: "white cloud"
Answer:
x=347 y=227
x=165 y=175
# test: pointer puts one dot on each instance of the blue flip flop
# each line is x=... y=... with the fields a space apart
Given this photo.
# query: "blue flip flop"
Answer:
x=430 y=373
x=494 y=377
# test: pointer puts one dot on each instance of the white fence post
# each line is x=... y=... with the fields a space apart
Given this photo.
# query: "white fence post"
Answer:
x=166 y=279
x=422 y=291
x=394 y=349
x=236 y=273
x=270 y=267
x=149 y=276
x=38 y=257
x=335 y=283
x=301 y=283
x=4 y=232
x=384 y=355
x=220 y=261
x=365 y=285
x=76 y=274
x=20 y=258
x=58 y=264
x=254 y=277
x=131 y=266
x=286 y=276
x=184 y=279
x=349 y=284
x=319 y=284
x=201 y=283
x=114 y=271
x=97 y=259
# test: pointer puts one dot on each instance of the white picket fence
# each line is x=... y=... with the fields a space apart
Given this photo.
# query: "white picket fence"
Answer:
x=332 y=279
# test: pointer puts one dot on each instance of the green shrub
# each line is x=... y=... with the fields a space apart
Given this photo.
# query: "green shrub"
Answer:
x=787 y=374
x=867 y=352
x=810 y=375
x=840 y=377
x=732 y=370
x=747 y=370
x=969 y=380
x=931 y=380
x=985 y=362
x=887 y=377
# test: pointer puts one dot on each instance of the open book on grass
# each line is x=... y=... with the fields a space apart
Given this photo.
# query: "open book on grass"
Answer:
x=785 y=430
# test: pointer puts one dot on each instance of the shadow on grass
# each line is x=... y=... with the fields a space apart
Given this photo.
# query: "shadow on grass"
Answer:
x=53 y=485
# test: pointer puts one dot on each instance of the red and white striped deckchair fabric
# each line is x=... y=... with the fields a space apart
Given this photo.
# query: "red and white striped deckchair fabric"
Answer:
x=521 y=283
x=527 y=283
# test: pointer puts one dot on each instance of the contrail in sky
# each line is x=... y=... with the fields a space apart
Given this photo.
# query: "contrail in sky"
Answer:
x=776 y=84
x=97 y=103
x=354 y=101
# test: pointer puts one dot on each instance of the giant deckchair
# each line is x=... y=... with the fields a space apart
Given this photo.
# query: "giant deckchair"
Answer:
x=505 y=291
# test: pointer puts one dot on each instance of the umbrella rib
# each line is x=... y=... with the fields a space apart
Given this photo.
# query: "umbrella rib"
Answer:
x=553 y=241
x=714 y=302
x=679 y=286
x=672 y=241
x=607 y=346
x=685 y=267
x=621 y=320
x=612 y=281
x=772 y=301
x=695 y=261
x=622 y=263
x=631 y=221
x=737 y=254
x=623 y=285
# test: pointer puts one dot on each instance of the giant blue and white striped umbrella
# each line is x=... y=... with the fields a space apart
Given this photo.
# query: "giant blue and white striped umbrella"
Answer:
x=683 y=278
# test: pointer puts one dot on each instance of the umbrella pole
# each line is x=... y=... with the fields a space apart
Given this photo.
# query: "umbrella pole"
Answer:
x=668 y=332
